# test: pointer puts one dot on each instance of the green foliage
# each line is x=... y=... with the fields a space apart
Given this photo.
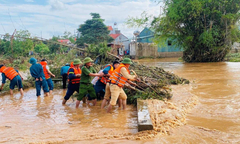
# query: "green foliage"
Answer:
x=205 y=29
x=138 y=22
x=18 y=47
x=99 y=50
x=53 y=46
x=233 y=57
x=41 y=48
x=93 y=31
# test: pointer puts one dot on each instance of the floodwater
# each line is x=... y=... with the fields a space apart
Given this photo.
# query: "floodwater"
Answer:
x=29 y=119
x=215 y=119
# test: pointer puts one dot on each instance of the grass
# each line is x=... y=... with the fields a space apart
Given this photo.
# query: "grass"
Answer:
x=233 y=57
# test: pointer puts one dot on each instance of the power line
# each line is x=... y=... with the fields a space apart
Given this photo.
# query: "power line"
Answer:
x=22 y=23
x=11 y=19
x=19 y=24
x=3 y=28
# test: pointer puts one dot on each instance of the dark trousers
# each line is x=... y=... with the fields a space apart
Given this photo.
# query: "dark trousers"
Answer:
x=64 y=80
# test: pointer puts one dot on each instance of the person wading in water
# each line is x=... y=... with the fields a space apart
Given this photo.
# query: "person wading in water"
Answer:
x=86 y=87
x=14 y=76
x=64 y=71
x=74 y=76
x=36 y=70
x=48 y=75
x=117 y=81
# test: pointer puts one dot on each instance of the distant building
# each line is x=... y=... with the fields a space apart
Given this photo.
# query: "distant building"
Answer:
x=144 y=46
x=110 y=29
x=146 y=36
x=64 y=41
x=119 y=39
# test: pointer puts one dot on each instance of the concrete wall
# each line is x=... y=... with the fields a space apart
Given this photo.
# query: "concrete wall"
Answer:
x=235 y=48
x=149 y=50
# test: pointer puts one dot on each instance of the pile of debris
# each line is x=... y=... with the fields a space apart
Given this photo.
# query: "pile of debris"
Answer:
x=154 y=81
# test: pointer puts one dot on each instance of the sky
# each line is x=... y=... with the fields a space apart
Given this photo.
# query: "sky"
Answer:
x=45 y=18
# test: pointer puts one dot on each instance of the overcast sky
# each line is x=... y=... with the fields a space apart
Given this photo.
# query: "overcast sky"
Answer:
x=53 y=17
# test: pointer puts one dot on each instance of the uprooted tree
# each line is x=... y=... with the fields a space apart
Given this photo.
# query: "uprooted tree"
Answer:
x=205 y=29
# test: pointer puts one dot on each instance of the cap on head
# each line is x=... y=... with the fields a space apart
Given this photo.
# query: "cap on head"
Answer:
x=43 y=60
x=76 y=62
x=127 y=61
x=32 y=60
x=67 y=64
x=87 y=60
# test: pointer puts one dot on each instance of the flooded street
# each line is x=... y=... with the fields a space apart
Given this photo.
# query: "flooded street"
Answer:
x=215 y=119
x=29 y=119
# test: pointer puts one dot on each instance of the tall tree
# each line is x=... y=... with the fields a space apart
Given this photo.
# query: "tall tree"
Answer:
x=41 y=48
x=93 y=31
x=205 y=29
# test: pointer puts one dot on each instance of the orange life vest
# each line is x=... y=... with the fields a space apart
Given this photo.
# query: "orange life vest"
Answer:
x=44 y=65
x=117 y=78
x=106 y=79
x=77 y=79
x=71 y=66
x=9 y=72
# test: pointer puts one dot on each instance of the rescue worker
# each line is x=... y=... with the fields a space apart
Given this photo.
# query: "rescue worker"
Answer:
x=118 y=79
x=64 y=71
x=101 y=83
x=74 y=76
x=36 y=70
x=86 y=87
x=47 y=74
x=14 y=76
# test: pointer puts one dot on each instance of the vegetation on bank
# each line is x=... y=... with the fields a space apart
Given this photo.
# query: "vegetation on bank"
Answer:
x=205 y=29
x=233 y=57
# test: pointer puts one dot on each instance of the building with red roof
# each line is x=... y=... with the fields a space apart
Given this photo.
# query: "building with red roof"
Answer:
x=121 y=42
x=110 y=28
x=65 y=41
x=114 y=36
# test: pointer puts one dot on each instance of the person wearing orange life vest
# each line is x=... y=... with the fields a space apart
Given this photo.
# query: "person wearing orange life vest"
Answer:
x=48 y=75
x=14 y=76
x=100 y=85
x=74 y=77
x=118 y=78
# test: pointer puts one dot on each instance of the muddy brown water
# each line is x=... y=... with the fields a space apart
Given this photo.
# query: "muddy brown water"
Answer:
x=215 y=119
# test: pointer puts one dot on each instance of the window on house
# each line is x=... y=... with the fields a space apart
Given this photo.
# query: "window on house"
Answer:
x=169 y=43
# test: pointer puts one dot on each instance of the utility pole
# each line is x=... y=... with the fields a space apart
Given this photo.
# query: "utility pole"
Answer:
x=12 y=40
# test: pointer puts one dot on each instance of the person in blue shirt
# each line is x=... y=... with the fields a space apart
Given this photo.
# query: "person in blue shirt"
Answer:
x=64 y=74
x=14 y=76
x=36 y=70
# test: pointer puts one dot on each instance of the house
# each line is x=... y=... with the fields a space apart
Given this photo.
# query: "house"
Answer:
x=110 y=28
x=144 y=46
x=146 y=36
x=119 y=39
x=64 y=41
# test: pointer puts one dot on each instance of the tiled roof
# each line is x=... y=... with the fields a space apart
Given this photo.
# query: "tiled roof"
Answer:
x=114 y=36
x=63 y=40
x=110 y=28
